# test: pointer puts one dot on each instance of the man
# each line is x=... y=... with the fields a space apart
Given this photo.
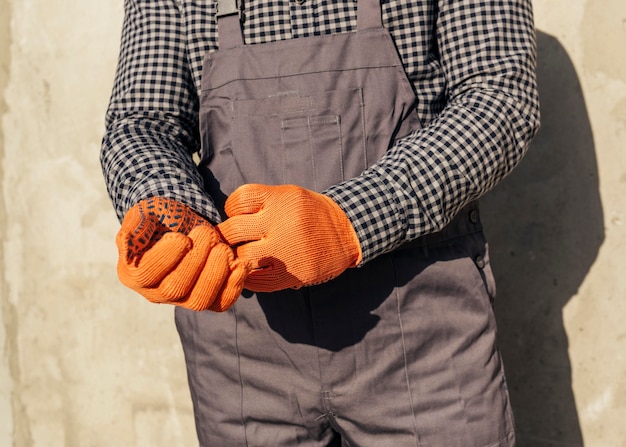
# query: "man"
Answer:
x=324 y=251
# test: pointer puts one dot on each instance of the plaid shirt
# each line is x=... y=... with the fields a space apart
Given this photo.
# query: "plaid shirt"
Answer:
x=471 y=62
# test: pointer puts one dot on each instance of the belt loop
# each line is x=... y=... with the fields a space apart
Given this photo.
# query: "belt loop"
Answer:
x=230 y=34
x=369 y=14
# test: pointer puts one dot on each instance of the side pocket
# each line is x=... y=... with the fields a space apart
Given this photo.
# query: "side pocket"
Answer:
x=312 y=151
x=476 y=249
x=487 y=274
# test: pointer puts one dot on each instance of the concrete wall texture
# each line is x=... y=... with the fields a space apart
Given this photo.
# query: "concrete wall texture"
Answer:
x=87 y=363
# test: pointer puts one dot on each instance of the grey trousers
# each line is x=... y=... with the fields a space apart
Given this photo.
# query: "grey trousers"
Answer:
x=401 y=352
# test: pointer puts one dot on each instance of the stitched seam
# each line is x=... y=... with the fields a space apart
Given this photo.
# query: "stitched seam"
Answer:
x=406 y=369
x=243 y=423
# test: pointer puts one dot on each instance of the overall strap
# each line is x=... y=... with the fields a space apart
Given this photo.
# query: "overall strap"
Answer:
x=369 y=15
x=230 y=34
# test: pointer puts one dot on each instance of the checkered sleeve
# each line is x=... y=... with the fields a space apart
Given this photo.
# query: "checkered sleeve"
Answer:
x=151 y=122
x=487 y=51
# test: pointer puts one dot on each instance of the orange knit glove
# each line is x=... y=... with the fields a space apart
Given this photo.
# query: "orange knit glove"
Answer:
x=291 y=236
x=169 y=254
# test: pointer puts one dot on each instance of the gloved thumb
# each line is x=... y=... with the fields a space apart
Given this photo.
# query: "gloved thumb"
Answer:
x=247 y=199
x=244 y=223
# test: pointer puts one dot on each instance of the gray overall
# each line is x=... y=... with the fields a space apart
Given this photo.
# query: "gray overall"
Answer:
x=400 y=352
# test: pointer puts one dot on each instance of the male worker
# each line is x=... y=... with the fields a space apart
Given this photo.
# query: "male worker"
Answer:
x=324 y=250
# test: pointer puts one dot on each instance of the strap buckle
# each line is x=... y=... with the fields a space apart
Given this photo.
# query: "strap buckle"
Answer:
x=227 y=8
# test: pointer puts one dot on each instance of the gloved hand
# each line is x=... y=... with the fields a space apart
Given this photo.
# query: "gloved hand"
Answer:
x=291 y=236
x=169 y=254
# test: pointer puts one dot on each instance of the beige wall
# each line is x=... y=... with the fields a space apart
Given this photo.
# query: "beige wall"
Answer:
x=86 y=363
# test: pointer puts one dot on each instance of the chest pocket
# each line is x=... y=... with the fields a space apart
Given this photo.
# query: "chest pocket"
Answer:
x=300 y=138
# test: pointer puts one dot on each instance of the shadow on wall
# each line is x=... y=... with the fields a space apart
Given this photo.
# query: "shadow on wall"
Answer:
x=545 y=226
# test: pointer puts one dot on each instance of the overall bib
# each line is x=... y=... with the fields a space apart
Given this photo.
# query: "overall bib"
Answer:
x=400 y=352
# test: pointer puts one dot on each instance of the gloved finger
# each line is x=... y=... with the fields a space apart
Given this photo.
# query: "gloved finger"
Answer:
x=155 y=263
x=271 y=279
x=270 y=273
x=136 y=232
x=241 y=228
x=233 y=287
x=267 y=271
x=212 y=278
x=247 y=199
x=256 y=253
x=180 y=281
